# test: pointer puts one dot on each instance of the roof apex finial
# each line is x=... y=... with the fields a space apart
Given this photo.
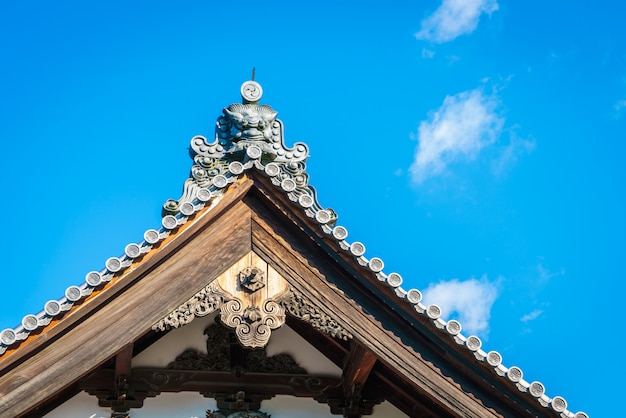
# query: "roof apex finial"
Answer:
x=251 y=91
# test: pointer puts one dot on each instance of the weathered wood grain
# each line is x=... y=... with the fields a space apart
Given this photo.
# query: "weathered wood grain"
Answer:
x=253 y=225
x=157 y=286
x=310 y=276
x=452 y=360
x=359 y=364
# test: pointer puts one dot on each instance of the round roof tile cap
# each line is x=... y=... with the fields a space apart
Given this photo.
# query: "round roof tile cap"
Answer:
x=73 y=293
x=433 y=311
x=394 y=280
x=376 y=264
x=453 y=327
x=272 y=169
x=204 y=194
x=306 y=201
x=357 y=249
x=132 y=250
x=581 y=415
x=169 y=222
x=151 y=236
x=340 y=233
x=322 y=216
x=7 y=336
x=52 y=308
x=494 y=358
x=251 y=91
x=558 y=404
x=235 y=167
x=288 y=185
x=30 y=322
x=187 y=208
x=254 y=152
x=113 y=264
x=219 y=181
x=515 y=374
x=93 y=278
x=414 y=296
x=536 y=389
x=473 y=343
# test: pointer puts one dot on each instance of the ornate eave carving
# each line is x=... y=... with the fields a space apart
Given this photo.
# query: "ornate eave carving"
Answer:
x=219 y=356
x=253 y=324
x=206 y=301
x=298 y=306
x=253 y=299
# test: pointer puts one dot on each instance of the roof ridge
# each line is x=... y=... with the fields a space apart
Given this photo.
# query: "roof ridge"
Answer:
x=250 y=136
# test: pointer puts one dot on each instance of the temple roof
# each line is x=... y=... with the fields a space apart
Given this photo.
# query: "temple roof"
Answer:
x=249 y=142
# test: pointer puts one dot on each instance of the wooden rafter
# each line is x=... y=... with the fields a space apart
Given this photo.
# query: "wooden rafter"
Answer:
x=359 y=364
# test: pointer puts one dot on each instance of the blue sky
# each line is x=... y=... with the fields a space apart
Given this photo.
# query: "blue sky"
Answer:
x=476 y=146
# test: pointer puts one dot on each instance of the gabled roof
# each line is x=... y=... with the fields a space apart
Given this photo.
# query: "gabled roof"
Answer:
x=249 y=192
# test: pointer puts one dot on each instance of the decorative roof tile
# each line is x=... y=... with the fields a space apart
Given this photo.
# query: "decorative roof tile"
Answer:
x=250 y=137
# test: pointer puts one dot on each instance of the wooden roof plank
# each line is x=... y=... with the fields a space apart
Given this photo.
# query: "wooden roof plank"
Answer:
x=133 y=310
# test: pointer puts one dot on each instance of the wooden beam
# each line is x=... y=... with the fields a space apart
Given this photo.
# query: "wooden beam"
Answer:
x=123 y=360
x=406 y=397
x=359 y=364
x=305 y=267
x=102 y=295
x=211 y=245
x=471 y=384
x=150 y=381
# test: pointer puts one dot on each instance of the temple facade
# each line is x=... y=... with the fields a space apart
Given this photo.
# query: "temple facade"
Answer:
x=249 y=300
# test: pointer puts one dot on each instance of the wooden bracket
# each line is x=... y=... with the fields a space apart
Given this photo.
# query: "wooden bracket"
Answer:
x=123 y=361
x=348 y=399
x=357 y=368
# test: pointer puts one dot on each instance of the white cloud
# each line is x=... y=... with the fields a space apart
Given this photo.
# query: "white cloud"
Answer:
x=471 y=300
x=531 y=316
x=459 y=129
x=454 y=18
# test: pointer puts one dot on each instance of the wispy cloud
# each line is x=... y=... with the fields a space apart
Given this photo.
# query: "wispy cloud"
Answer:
x=454 y=18
x=470 y=301
x=545 y=274
x=512 y=151
x=619 y=107
x=427 y=53
x=463 y=125
x=531 y=316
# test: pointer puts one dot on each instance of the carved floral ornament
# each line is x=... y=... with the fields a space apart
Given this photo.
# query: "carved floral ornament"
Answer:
x=252 y=324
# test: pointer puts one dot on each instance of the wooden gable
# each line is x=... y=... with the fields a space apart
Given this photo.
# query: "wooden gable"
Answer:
x=386 y=344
